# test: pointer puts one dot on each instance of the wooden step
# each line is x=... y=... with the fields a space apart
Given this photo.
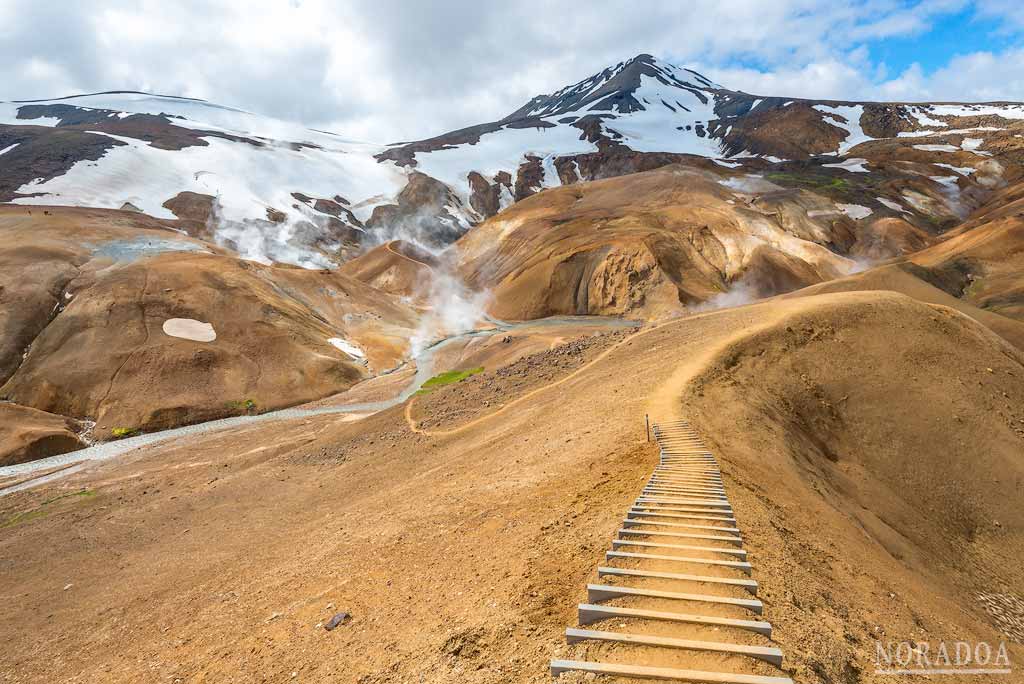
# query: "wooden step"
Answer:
x=692 y=489
x=687 y=460
x=669 y=459
x=685 y=478
x=689 y=472
x=684 y=491
x=602 y=592
x=663 y=512
x=689 y=464
x=677 y=516
x=739 y=553
x=656 y=481
x=683 y=535
x=674 y=470
x=712 y=480
x=589 y=613
x=696 y=452
x=661 y=506
x=684 y=488
x=630 y=522
x=669 y=492
x=642 y=672
x=742 y=566
x=768 y=654
x=678 y=500
x=688 y=451
x=688 y=468
x=748 y=584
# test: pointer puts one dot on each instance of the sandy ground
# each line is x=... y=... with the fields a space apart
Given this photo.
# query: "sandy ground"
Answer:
x=461 y=556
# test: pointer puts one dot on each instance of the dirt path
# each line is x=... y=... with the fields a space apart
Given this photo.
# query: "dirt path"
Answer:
x=394 y=251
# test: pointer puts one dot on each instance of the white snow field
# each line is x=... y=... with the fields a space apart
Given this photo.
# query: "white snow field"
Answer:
x=245 y=178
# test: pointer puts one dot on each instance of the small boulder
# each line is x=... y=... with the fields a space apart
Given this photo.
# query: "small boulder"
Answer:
x=338 y=619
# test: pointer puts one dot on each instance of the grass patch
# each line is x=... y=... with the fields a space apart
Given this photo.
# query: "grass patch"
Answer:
x=40 y=510
x=447 y=378
x=120 y=432
x=243 y=405
x=809 y=181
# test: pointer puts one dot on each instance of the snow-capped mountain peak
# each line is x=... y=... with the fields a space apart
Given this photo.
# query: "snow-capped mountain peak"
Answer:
x=614 y=89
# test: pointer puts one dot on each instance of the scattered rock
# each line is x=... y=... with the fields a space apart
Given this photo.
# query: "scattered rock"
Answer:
x=338 y=619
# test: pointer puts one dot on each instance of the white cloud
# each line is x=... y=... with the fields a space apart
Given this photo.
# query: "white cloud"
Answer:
x=396 y=70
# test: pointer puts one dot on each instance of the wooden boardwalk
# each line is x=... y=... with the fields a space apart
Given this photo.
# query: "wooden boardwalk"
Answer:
x=676 y=600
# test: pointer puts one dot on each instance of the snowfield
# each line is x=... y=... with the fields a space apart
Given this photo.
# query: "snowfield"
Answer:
x=245 y=179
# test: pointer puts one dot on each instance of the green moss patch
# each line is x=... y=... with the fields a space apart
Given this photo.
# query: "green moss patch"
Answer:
x=41 y=510
x=809 y=180
x=447 y=378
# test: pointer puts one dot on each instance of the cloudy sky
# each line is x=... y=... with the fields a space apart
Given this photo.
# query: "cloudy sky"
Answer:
x=388 y=70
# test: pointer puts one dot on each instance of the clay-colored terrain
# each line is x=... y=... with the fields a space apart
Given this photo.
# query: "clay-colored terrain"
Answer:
x=87 y=295
x=870 y=442
x=846 y=333
x=657 y=243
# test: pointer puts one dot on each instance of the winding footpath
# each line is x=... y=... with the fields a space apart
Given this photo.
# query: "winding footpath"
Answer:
x=675 y=600
x=35 y=473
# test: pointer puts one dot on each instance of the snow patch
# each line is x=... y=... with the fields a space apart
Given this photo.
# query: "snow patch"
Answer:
x=972 y=145
x=853 y=165
x=347 y=347
x=937 y=148
x=1013 y=111
x=921 y=114
x=855 y=135
x=962 y=170
x=855 y=211
x=551 y=178
x=892 y=205
x=9 y=148
x=9 y=116
x=189 y=329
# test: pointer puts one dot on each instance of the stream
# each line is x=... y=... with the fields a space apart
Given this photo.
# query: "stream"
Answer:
x=74 y=461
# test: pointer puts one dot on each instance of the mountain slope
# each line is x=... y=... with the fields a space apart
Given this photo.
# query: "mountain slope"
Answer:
x=108 y=317
x=645 y=113
x=273 y=191
x=267 y=189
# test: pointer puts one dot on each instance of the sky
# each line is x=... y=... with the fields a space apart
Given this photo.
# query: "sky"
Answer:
x=392 y=70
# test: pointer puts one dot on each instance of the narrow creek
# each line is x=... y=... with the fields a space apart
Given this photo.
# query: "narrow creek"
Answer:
x=74 y=461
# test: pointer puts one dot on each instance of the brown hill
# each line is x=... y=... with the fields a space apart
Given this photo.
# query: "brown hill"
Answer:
x=27 y=434
x=877 y=442
x=396 y=267
x=982 y=261
x=97 y=300
x=652 y=244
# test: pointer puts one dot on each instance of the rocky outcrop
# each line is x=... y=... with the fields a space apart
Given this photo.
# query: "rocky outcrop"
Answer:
x=795 y=131
x=485 y=196
x=426 y=211
x=27 y=434
x=887 y=120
